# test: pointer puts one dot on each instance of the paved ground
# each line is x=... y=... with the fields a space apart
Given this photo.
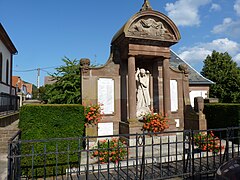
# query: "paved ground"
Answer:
x=3 y=157
x=3 y=166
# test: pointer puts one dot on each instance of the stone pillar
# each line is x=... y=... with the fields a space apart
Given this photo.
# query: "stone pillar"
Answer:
x=198 y=107
x=166 y=86
x=131 y=89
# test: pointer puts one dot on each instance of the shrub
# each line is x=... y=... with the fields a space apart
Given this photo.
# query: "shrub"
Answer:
x=44 y=122
x=208 y=142
x=112 y=150
x=222 y=115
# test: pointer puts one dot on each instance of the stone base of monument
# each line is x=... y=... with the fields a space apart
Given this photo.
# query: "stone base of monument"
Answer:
x=91 y=130
x=133 y=133
x=133 y=127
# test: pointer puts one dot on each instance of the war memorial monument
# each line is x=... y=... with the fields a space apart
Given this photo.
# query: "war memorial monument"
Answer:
x=143 y=74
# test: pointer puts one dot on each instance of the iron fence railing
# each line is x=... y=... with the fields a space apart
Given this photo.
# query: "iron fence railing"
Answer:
x=8 y=103
x=177 y=154
x=13 y=161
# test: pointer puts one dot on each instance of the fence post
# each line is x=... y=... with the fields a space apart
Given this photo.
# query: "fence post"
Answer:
x=9 y=174
x=186 y=150
x=87 y=157
x=143 y=158
x=192 y=143
x=227 y=146
x=18 y=146
x=136 y=139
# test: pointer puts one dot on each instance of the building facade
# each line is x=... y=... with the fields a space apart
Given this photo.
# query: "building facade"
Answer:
x=23 y=88
x=7 y=91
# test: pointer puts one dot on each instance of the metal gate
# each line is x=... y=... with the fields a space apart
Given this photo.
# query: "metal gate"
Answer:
x=176 y=154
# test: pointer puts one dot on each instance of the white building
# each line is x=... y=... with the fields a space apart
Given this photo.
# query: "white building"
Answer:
x=7 y=50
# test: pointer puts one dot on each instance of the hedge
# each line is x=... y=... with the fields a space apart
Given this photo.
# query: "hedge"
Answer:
x=44 y=122
x=221 y=115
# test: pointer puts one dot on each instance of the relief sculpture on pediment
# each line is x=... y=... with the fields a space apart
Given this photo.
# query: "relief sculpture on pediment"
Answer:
x=150 y=28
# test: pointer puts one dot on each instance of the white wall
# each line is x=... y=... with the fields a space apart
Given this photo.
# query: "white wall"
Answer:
x=5 y=55
x=4 y=88
x=197 y=93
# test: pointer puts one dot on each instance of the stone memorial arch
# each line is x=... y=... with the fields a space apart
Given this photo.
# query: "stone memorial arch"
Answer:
x=138 y=77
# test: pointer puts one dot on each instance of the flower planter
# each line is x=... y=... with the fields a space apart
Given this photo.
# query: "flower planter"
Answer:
x=155 y=123
x=208 y=142
x=109 y=150
x=93 y=116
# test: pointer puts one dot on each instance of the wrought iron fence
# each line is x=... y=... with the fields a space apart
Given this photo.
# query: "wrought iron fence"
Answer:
x=8 y=102
x=177 y=154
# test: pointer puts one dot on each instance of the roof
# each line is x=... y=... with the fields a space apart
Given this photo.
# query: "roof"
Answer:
x=18 y=82
x=195 y=78
x=6 y=40
x=29 y=87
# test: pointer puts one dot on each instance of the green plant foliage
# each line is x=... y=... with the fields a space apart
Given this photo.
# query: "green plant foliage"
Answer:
x=44 y=122
x=207 y=141
x=222 y=115
x=66 y=86
x=42 y=95
x=112 y=150
x=154 y=122
x=221 y=69
x=93 y=114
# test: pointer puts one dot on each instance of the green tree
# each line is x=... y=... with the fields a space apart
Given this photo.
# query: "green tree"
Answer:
x=221 y=69
x=66 y=88
x=41 y=93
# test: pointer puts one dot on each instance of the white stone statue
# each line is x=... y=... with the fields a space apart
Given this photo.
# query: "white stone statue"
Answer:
x=143 y=96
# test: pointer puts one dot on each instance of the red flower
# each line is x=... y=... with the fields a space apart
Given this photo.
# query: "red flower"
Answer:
x=93 y=114
x=113 y=150
x=207 y=141
x=154 y=122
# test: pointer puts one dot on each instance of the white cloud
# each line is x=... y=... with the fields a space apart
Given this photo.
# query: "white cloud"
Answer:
x=222 y=27
x=237 y=58
x=237 y=6
x=185 y=12
x=215 y=7
x=195 y=54
x=228 y=27
x=198 y=53
x=224 y=45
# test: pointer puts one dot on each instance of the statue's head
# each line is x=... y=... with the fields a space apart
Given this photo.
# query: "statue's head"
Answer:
x=142 y=71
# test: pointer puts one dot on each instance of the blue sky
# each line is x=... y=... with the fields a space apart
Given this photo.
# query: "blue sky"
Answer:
x=44 y=31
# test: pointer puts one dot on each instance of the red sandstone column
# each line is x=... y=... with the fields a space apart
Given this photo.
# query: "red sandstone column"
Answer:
x=131 y=89
x=166 y=86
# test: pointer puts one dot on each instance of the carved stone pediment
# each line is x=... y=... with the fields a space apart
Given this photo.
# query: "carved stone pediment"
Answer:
x=150 y=27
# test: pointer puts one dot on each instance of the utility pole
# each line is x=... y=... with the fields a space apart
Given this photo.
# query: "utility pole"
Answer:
x=38 y=81
x=38 y=78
